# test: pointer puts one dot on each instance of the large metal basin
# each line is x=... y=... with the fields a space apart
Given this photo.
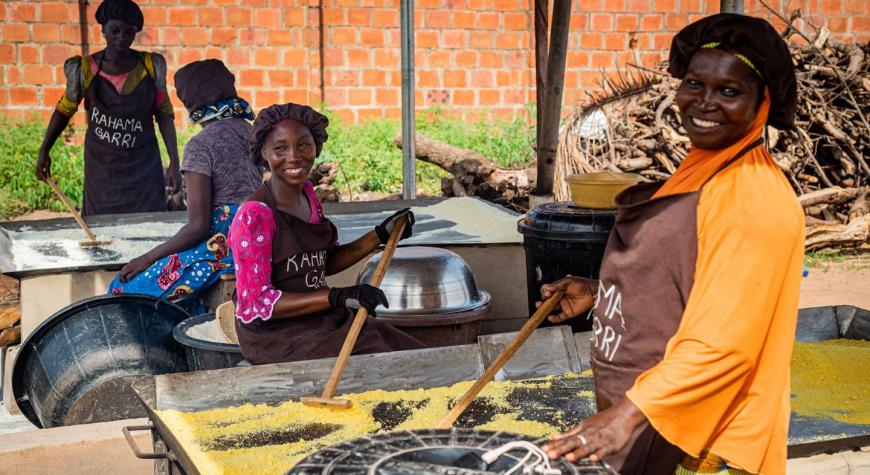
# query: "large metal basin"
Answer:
x=77 y=366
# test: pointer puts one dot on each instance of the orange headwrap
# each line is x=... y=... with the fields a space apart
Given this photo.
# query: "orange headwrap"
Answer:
x=699 y=165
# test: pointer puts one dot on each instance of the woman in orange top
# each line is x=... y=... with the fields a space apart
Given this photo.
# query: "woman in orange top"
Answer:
x=695 y=311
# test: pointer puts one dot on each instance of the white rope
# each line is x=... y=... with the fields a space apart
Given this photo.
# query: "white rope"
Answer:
x=539 y=466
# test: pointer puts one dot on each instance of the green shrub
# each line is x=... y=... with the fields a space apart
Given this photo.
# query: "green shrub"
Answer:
x=368 y=157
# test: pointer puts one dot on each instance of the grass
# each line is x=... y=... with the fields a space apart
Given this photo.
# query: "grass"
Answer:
x=827 y=258
x=368 y=157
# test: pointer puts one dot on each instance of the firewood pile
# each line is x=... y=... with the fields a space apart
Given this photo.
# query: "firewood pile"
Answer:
x=636 y=128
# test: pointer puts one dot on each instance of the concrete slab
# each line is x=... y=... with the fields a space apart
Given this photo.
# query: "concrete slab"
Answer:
x=841 y=463
x=83 y=449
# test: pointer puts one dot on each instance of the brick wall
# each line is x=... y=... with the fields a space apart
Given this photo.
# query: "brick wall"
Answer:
x=472 y=56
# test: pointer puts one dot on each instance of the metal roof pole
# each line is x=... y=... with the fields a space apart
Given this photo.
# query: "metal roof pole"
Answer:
x=731 y=6
x=409 y=166
x=553 y=103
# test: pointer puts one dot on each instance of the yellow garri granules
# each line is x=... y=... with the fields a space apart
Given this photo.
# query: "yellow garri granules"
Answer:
x=831 y=379
x=262 y=438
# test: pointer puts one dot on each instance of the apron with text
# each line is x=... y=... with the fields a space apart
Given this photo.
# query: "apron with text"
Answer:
x=299 y=254
x=123 y=171
x=645 y=280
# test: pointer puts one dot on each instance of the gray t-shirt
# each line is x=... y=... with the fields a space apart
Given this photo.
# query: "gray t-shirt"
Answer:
x=220 y=151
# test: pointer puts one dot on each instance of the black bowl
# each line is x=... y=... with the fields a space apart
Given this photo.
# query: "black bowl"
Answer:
x=204 y=354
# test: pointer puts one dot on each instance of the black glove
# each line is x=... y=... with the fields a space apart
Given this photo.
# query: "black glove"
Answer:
x=358 y=296
x=384 y=229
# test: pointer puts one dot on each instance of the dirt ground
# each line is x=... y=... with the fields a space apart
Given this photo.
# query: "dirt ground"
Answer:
x=840 y=281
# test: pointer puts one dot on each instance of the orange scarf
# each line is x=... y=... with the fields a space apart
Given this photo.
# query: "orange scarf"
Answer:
x=699 y=165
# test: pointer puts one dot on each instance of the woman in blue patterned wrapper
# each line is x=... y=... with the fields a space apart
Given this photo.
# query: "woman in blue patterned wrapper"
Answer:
x=218 y=176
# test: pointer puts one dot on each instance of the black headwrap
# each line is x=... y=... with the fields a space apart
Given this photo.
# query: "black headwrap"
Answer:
x=202 y=83
x=268 y=117
x=758 y=42
x=122 y=10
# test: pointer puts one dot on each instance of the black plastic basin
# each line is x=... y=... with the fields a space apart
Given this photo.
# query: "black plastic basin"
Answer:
x=77 y=366
x=204 y=354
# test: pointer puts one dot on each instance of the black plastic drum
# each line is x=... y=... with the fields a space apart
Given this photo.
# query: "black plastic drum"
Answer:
x=431 y=451
x=77 y=366
x=205 y=353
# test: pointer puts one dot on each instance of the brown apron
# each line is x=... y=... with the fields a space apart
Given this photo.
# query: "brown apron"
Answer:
x=299 y=254
x=123 y=171
x=645 y=281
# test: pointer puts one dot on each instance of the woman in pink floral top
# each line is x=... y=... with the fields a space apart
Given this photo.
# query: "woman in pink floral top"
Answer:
x=284 y=247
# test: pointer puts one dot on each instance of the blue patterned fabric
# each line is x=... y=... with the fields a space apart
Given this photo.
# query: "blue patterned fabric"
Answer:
x=223 y=109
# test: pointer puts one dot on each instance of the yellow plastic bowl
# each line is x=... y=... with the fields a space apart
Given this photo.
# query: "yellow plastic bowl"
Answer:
x=599 y=190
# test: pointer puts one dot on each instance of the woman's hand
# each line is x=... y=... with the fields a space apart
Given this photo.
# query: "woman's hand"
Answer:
x=173 y=178
x=358 y=296
x=384 y=229
x=135 y=267
x=43 y=165
x=600 y=435
x=579 y=297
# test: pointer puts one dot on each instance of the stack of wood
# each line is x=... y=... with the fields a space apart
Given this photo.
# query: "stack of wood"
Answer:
x=825 y=158
x=10 y=313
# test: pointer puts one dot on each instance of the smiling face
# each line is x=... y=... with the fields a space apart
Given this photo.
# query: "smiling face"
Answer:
x=718 y=99
x=119 y=35
x=290 y=152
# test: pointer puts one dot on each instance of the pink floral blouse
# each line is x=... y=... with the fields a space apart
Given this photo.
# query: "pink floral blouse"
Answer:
x=251 y=235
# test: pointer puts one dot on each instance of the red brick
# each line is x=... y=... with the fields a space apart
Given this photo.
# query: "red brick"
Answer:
x=294 y=16
x=386 y=17
x=831 y=6
x=437 y=59
x=509 y=40
x=590 y=5
x=488 y=21
x=488 y=97
x=579 y=22
x=638 y=6
x=386 y=58
x=615 y=41
x=254 y=3
x=333 y=57
x=600 y=60
x=462 y=97
x=182 y=16
x=239 y=16
x=15 y=32
x=427 y=78
x=238 y=56
x=266 y=57
x=368 y=114
x=335 y=96
x=28 y=54
x=7 y=54
x=838 y=24
x=437 y=19
x=856 y=6
x=223 y=35
x=691 y=6
x=426 y=39
x=374 y=77
x=55 y=54
x=358 y=57
x=24 y=96
x=455 y=79
x=267 y=17
x=300 y=96
x=170 y=36
x=22 y=11
x=37 y=74
x=481 y=39
x=371 y=37
x=463 y=20
x=626 y=22
x=652 y=23
x=359 y=97
x=57 y=12
x=665 y=5
x=280 y=78
x=516 y=21
x=490 y=59
x=602 y=22
x=453 y=39
x=358 y=17
x=591 y=40
x=189 y=55
x=194 y=36
x=577 y=59
x=13 y=75
x=387 y=97
x=481 y=78
x=861 y=24
x=251 y=77
x=344 y=36
x=662 y=40
x=46 y=32
x=333 y=16
x=295 y=57
x=265 y=97
x=676 y=22
x=466 y=59
x=210 y=16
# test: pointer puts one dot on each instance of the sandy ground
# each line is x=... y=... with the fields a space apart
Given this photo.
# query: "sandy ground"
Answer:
x=841 y=281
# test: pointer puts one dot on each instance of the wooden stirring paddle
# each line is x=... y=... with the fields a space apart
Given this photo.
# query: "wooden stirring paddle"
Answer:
x=326 y=398
x=503 y=357
x=92 y=239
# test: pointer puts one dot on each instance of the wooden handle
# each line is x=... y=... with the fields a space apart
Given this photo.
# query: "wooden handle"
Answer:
x=71 y=208
x=503 y=357
x=362 y=313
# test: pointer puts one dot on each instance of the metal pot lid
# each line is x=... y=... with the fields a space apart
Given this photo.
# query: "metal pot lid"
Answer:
x=426 y=281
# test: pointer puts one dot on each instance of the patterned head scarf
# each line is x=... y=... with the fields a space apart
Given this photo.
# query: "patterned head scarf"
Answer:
x=207 y=89
x=753 y=41
x=268 y=117
x=121 y=10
